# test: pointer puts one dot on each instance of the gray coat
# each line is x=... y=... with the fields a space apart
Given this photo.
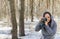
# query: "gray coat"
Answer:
x=47 y=32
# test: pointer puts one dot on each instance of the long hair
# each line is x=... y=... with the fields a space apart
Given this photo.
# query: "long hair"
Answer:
x=46 y=13
x=50 y=17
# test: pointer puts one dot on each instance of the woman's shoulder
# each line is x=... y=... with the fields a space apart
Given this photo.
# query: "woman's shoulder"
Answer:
x=54 y=22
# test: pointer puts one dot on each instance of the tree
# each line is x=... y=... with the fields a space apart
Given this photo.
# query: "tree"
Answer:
x=31 y=3
x=48 y=3
x=13 y=19
x=21 y=19
x=52 y=6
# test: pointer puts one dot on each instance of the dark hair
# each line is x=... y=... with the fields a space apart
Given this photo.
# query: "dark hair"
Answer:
x=50 y=17
x=46 y=13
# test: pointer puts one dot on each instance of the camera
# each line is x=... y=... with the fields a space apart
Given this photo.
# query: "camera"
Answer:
x=42 y=21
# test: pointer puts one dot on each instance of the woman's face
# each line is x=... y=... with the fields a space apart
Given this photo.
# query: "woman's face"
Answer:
x=48 y=17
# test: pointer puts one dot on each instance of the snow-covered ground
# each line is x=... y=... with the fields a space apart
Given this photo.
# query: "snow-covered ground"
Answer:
x=5 y=32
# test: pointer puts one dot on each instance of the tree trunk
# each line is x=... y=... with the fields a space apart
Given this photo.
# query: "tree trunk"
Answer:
x=52 y=6
x=48 y=4
x=13 y=19
x=31 y=3
x=21 y=20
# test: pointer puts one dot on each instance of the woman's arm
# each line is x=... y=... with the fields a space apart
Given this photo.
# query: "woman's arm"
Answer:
x=52 y=30
x=38 y=27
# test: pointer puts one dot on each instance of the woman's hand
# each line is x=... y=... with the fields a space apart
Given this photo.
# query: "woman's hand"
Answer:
x=46 y=23
x=40 y=18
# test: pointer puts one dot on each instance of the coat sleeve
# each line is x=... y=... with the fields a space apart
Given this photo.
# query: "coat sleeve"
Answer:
x=38 y=27
x=52 y=30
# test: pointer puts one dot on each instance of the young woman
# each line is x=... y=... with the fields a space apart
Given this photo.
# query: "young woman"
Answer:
x=49 y=29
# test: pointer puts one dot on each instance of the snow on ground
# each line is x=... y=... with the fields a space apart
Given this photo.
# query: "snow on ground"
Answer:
x=4 y=36
x=5 y=32
x=32 y=35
